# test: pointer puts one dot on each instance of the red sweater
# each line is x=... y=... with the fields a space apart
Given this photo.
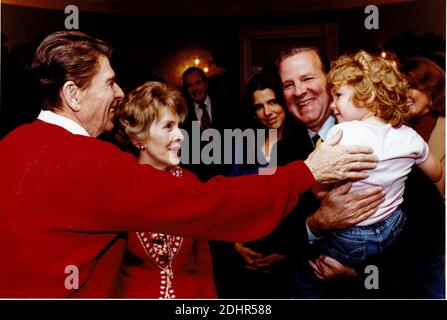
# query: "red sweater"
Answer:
x=67 y=199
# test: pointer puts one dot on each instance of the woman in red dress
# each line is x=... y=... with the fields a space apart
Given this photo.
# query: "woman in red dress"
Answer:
x=159 y=265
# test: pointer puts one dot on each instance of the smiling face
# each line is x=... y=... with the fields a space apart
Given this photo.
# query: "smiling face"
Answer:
x=304 y=86
x=343 y=106
x=196 y=86
x=99 y=99
x=163 y=142
x=268 y=110
x=418 y=103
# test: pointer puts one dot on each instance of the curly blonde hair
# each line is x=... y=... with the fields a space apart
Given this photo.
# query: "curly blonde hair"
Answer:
x=141 y=108
x=370 y=74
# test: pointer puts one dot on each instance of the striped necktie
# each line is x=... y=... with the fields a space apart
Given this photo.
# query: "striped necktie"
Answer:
x=205 y=121
x=316 y=140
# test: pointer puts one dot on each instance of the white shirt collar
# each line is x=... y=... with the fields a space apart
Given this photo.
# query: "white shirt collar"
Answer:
x=327 y=125
x=61 y=121
x=207 y=102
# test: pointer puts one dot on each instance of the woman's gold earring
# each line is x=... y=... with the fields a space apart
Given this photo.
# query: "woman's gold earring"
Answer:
x=141 y=147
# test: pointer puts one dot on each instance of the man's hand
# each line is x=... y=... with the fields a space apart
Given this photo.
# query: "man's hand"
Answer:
x=330 y=163
x=340 y=209
x=327 y=268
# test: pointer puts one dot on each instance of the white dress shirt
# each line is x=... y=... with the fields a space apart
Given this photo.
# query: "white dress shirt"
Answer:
x=199 y=111
x=327 y=125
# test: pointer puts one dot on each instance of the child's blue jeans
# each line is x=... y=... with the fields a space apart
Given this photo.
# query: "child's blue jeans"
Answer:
x=354 y=245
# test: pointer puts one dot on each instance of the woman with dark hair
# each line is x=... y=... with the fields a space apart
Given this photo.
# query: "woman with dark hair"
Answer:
x=262 y=266
x=266 y=106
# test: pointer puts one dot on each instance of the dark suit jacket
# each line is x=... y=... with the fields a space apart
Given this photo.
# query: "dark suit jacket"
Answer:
x=290 y=237
x=217 y=115
x=298 y=147
x=220 y=121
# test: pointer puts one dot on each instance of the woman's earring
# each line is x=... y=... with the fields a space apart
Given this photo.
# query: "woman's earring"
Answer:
x=141 y=147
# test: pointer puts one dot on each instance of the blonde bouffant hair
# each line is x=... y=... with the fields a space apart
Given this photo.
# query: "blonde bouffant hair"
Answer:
x=371 y=74
x=141 y=108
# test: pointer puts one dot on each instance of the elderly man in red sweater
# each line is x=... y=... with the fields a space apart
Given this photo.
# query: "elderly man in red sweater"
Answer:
x=68 y=200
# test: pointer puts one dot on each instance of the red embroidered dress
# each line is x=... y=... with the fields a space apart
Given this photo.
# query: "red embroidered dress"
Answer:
x=189 y=277
x=162 y=250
